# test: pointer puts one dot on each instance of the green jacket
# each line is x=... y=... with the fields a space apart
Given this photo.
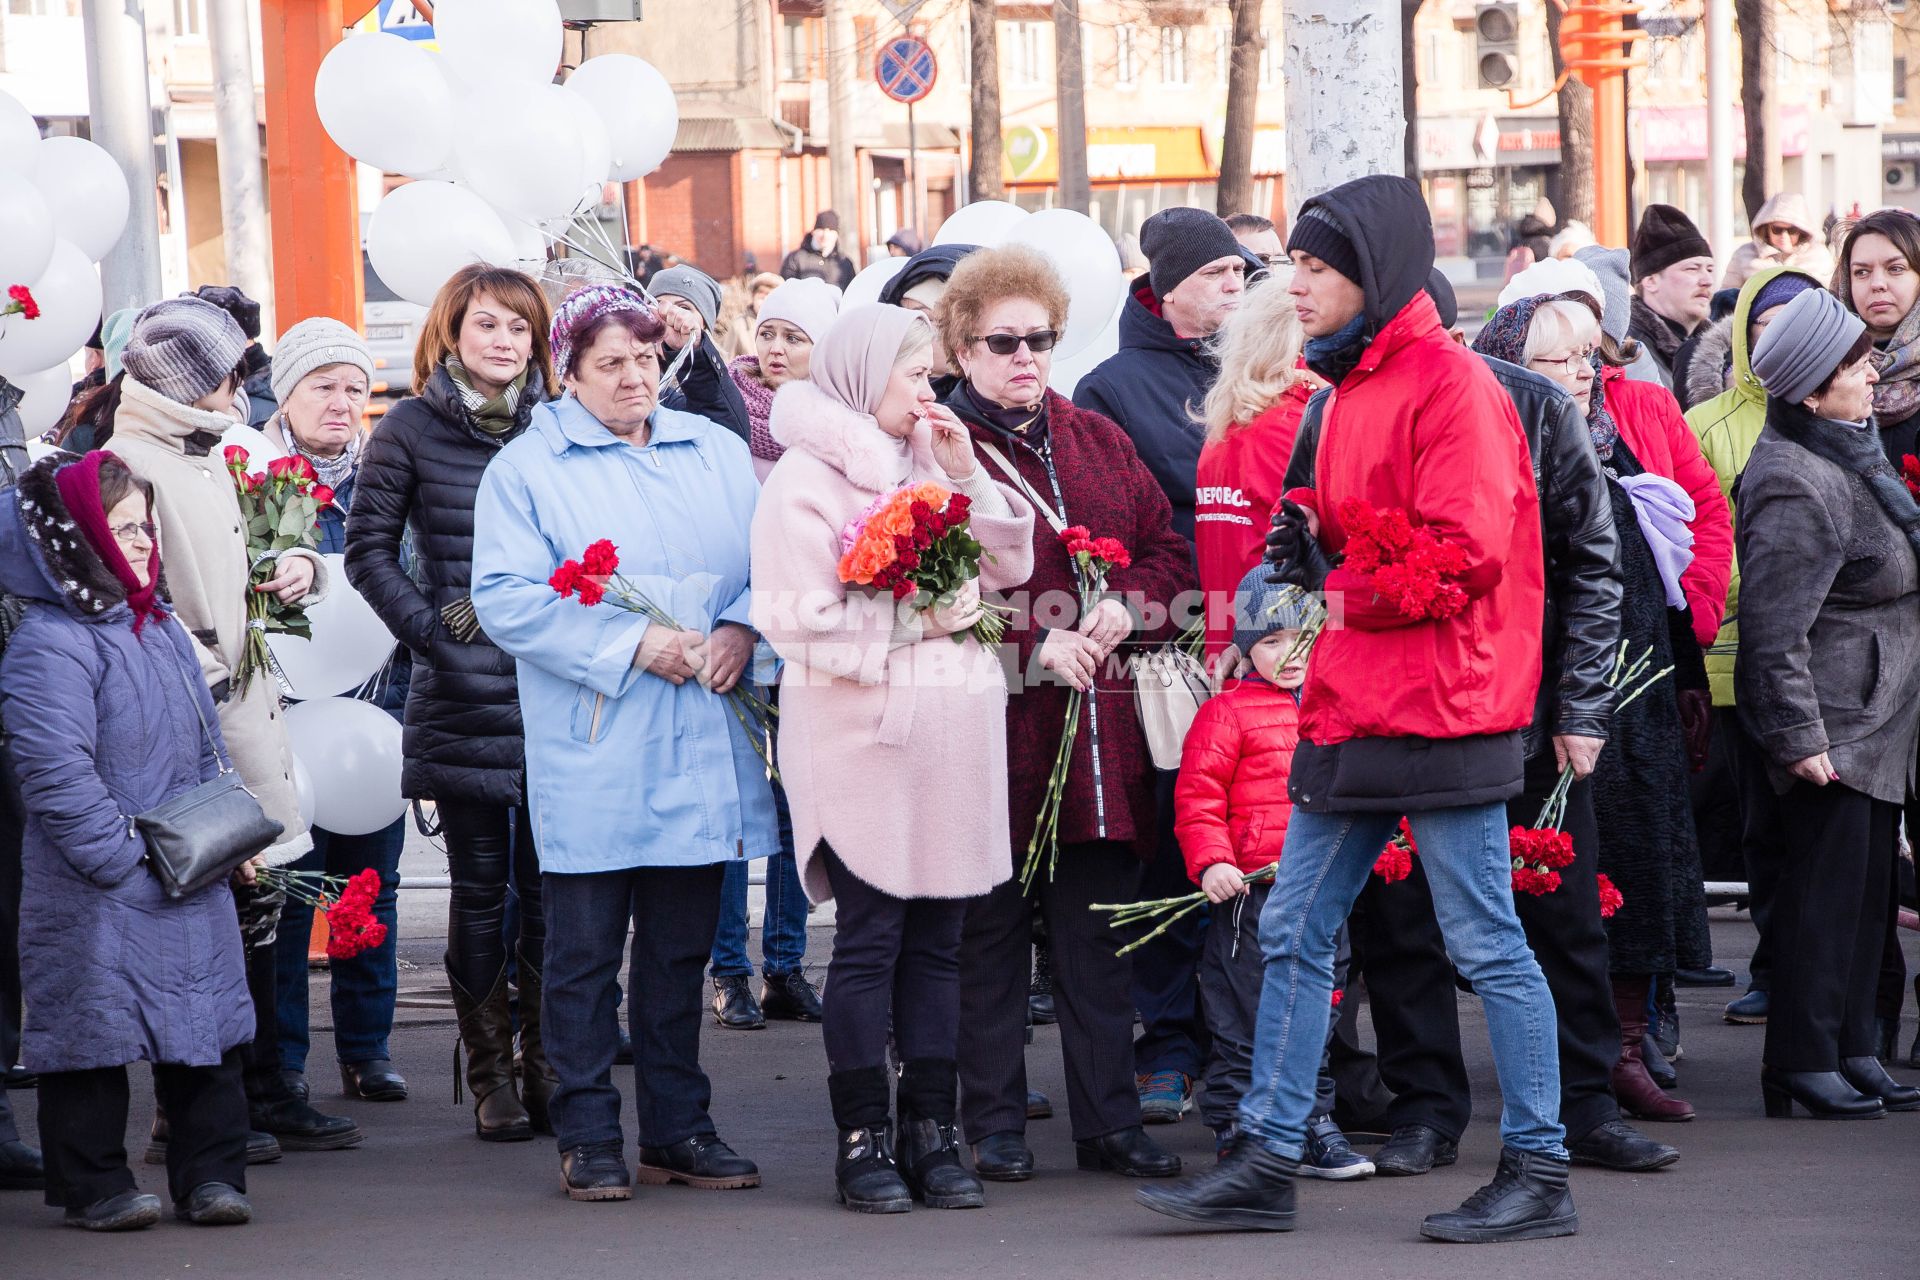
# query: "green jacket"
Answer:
x=1726 y=427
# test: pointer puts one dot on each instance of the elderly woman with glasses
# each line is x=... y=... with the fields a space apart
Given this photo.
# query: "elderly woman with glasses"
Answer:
x=1675 y=557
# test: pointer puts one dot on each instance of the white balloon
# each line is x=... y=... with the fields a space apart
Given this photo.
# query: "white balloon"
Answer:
x=19 y=138
x=495 y=41
x=350 y=644
x=530 y=241
x=352 y=753
x=26 y=232
x=529 y=158
x=638 y=106
x=43 y=398
x=1068 y=371
x=259 y=446
x=303 y=790
x=984 y=222
x=85 y=192
x=595 y=144
x=384 y=101
x=865 y=288
x=1089 y=265
x=68 y=293
x=423 y=232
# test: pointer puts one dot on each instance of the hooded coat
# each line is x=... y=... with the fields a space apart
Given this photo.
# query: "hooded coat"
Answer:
x=1153 y=387
x=1812 y=258
x=105 y=723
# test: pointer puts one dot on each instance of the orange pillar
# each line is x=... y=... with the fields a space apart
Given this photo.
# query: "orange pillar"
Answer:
x=1610 y=160
x=311 y=187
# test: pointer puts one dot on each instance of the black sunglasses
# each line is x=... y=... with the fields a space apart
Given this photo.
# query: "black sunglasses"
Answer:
x=1005 y=344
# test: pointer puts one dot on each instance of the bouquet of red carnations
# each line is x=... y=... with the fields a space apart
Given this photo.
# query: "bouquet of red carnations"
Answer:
x=595 y=577
x=1093 y=559
x=1413 y=570
x=915 y=543
x=346 y=901
x=281 y=506
x=1395 y=862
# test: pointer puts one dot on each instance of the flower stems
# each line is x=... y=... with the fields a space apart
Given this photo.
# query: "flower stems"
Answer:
x=1046 y=824
x=1167 y=911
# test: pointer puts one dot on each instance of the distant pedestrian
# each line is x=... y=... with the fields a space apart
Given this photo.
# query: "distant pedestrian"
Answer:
x=819 y=256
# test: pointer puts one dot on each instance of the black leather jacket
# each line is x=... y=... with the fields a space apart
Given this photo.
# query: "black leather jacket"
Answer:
x=1582 y=626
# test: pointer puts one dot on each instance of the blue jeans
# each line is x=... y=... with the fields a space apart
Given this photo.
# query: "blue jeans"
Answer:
x=1465 y=855
x=783 y=933
x=363 y=987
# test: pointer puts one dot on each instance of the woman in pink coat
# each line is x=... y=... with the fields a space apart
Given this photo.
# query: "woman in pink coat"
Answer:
x=892 y=741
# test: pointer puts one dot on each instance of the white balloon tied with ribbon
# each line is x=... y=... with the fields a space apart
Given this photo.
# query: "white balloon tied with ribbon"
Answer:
x=66 y=298
x=423 y=232
x=491 y=42
x=530 y=159
x=348 y=648
x=26 y=231
x=637 y=105
x=352 y=753
x=386 y=102
x=86 y=193
x=1089 y=265
x=43 y=398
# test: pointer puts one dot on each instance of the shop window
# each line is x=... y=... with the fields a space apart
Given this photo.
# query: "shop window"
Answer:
x=1173 y=56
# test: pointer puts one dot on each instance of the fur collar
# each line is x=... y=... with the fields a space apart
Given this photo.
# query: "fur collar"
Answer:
x=145 y=414
x=806 y=418
x=1708 y=372
x=85 y=585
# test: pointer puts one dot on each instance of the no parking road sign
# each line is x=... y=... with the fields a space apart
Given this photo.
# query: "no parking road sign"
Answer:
x=905 y=69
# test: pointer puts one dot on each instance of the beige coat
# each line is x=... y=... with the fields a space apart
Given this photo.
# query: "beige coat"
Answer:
x=893 y=738
x=203 y=551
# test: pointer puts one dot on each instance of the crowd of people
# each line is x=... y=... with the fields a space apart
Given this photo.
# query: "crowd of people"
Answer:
x=612 y=528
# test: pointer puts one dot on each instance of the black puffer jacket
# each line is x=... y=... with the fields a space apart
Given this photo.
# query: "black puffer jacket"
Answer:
x=421 y=471
x=1582 y=627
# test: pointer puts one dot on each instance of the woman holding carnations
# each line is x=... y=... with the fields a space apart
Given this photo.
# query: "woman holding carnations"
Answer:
x=480 y=370
x=1002 y=313
x=644 y=773
x=888 y=702
x=1675 y=557
x=321 y=375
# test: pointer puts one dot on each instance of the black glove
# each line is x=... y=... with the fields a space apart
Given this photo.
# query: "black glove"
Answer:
x=1293 y=552
x=221 y=691
x=1696 y=725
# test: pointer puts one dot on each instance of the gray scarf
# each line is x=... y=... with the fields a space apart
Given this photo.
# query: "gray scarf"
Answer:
x=334 y=471
x=1854 y=447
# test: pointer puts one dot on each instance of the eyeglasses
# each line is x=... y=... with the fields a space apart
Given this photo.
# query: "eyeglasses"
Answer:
x=127 y=532
x=1005 y=344
x=1563 y=364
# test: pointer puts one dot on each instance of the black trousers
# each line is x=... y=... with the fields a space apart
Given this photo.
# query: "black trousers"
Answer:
x=1166 y=986
x=1090 y=992
x=83 y=1130
x=1829 y=925
x=1761 y=845
x=1414 y=1001
x=489 y=845
x=260 y=1057
x=896 y=965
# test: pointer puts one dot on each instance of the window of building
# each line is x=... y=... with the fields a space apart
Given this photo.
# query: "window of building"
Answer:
x=189 y=18
x=801 y=49
x=1026 y=55
x=1173 y=56
x=1899 y=79
x=965 y=68
x=1222 y=53
x=866 y=44
x=1123 y=56
x=1270 y=58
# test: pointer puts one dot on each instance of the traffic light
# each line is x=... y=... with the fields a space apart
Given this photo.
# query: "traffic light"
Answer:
x=1496 y=35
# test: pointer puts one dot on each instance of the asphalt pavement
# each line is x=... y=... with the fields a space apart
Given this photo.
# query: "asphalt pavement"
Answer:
x=1751 y=1199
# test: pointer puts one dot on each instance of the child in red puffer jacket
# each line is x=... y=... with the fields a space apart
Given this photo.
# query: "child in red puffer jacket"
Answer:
x=1230 y=812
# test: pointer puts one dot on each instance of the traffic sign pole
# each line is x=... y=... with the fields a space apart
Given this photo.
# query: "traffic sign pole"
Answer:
x=905 y=70
x=913 y=173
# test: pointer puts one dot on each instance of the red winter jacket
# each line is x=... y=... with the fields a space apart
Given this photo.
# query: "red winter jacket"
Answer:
x=1230 y=804
x=1421 y=424
x=1239 y=485
x=1650 y=422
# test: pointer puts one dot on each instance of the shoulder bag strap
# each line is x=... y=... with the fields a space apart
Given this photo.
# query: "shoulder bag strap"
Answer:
x=193 y=697
x=1040 y=504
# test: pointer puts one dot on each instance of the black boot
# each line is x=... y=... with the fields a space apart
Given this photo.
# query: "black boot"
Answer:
x=1870 y=1078
x=865 y=1177
x=929 y=1155
x=1885 y=1032
x=1250 y=1188
x=1414 y=1149
x=1126 y=1151
x=734 y=1006
x=486 y=1031
x=789 y=997
x=1040 y=1006
x=272 y=1107
x=1528 y=1199
x=1827 y=1095
x=1617 y=1145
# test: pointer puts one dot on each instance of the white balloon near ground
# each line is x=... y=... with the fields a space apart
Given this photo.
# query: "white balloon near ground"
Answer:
x=494 y=41
x=638 y=106
x=865 y=288
x=423 y=232
x=1088 y=264
x=529 y=159
x=26 y=232
x=303 y=789
x=352 y=753
x=1067 y=371
x=43 y=398
x=86 y=193
x=68 y=294
x=985 y=223
x=259 y=446
x=595 y=145
x=19 y=138
x=385 y=102
x=349 y=646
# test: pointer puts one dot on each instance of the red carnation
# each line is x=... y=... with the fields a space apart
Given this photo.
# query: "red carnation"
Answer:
x=1074 y=533
x=601 y=559
x=1338 y=996
x=23 y=302
x=592 y=591
x=567 y=578
x=1910 y=472
x=1113 y=552
x=1611 y=899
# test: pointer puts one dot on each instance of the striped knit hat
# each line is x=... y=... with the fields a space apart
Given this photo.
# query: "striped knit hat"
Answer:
x=184 y=348
x=583 y=306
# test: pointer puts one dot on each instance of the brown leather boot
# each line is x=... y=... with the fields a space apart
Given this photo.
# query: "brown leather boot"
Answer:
x=537 y=1079
x=1635 y=1090
x=486 y=1029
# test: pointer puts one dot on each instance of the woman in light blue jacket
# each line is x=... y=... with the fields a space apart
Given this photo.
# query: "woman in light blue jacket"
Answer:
x=643 y=782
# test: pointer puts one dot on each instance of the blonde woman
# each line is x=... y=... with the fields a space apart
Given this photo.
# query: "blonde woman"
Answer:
x=1252 y=415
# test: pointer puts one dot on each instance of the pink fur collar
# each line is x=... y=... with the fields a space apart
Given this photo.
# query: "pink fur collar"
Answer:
x=806 y=418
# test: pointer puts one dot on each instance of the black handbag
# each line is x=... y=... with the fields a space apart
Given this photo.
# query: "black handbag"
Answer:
x=200 y=836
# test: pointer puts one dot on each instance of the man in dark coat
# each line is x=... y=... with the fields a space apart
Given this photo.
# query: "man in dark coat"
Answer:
x=1672 y=284
x=819 y=256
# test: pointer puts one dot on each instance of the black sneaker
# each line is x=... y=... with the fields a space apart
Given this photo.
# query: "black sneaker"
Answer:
x=1528 y=1199
x=1414 y=1149
x=734 y=1006
x=1329 y=1155
x=700 y=1161
x=1250 y=1189
x=595 y=1171
x=789 y=997
x=214 y=1204
x=128 y=1211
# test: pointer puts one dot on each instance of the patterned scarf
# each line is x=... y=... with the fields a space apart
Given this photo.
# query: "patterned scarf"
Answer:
x=1897 y=395
x=334 y=471
x=1505 y=338
x=745 y=371
x=494 y=415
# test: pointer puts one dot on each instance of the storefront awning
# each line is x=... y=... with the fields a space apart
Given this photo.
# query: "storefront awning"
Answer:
x=1669 y=134
x=1167 y=153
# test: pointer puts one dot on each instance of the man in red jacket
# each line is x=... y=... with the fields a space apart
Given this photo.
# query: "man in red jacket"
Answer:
x=1414 y=704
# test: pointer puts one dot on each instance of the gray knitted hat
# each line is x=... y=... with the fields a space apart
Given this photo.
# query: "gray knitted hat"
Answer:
x=693 y=284
x=184 y=348
x=1612 y=266
x=1804 y=344
x=1180 y=241
x=1261 y=608
x=312 y=344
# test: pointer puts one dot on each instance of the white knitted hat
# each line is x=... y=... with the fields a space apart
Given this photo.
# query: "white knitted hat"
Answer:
x=313 y=344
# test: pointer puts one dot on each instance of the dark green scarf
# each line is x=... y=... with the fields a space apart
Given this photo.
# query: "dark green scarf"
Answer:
x=494 y=415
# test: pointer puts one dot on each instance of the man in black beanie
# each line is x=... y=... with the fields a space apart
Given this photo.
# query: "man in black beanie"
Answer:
x=1673 y=281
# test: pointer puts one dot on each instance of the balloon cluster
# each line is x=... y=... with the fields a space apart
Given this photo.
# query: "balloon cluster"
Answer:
x=63 y=205
x=501 y=191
